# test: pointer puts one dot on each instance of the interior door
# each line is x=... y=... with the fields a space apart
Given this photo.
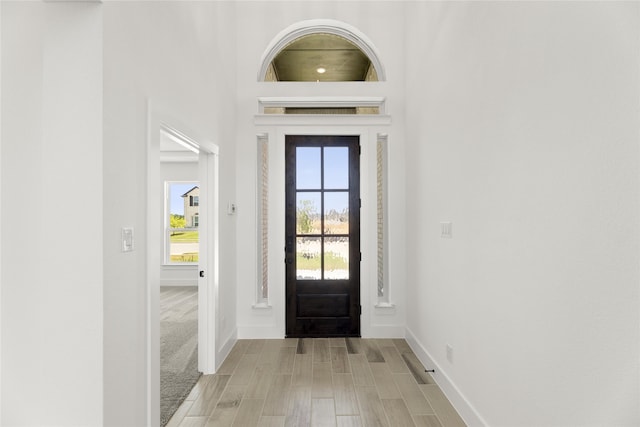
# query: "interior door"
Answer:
x=322 y=252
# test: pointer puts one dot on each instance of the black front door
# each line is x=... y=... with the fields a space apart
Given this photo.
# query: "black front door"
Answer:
x=322 y=236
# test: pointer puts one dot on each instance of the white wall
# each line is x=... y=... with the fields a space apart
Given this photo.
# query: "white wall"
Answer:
x=519 y=125
x=180 y=56
x=177 y=275
x=522 y=129
x=257 y=25
x=0 y=212
x=51 y=260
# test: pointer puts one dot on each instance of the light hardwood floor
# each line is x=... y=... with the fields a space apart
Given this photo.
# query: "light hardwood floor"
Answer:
x=318 y=382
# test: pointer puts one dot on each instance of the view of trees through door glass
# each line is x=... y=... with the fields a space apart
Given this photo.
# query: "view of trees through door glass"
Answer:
x=322 y=213
x=181 y=223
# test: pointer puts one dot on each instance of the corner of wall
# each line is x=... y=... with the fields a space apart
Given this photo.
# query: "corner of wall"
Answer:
x=0 y=218
x=466 y=410
x=226 y=348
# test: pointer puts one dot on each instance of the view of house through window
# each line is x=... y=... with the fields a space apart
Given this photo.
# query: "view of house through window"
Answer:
x=181 y=223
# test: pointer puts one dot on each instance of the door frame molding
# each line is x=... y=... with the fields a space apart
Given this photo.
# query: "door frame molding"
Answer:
x=378 y=102
x=275 y=127
x=158 y=117
x=208 y=165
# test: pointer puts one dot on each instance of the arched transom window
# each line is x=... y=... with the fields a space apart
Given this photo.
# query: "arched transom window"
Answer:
x=321 y=50
x=321 y=57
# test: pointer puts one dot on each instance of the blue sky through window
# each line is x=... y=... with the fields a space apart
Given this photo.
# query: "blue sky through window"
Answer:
x=336 y=168
x=176 y=190
x=336 y=172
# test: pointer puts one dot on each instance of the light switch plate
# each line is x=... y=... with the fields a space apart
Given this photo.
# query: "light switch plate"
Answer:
x=127 y=239
x=446 y=230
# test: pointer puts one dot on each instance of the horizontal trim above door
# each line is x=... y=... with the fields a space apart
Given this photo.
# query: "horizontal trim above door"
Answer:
x=321 y=120
x=321 y=102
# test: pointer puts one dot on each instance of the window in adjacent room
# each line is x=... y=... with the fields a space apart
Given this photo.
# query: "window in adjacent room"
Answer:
x=181 y=222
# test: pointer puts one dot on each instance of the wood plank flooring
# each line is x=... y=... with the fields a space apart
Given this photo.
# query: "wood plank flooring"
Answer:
x=318 y=382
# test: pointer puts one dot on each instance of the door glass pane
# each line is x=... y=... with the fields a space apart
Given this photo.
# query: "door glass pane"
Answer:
x=308 y=213
x=336 y=212
x=308 y=258
x=308 y=165
x=336 y=258
x=336 y=168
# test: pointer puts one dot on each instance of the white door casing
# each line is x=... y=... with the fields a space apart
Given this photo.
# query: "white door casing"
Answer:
x=207 y=265
x=157 y=120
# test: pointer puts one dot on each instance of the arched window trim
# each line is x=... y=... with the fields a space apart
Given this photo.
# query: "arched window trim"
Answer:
x=325 y=26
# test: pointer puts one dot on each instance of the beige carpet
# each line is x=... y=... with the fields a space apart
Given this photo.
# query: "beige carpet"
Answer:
x=178 y=347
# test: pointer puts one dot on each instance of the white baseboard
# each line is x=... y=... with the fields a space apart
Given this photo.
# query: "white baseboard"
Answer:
x=466 y=410
x=272 y=332
x=384 y=331
x=260 y=332
x=226 y=348
x=172 y=282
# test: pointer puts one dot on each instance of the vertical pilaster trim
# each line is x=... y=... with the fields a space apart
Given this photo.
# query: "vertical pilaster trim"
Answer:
x=262 y=220
x=381 y=214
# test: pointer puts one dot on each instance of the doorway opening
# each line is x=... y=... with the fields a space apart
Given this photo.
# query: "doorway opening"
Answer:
x=322 y=242
x=178 y=300
x=182 y=256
